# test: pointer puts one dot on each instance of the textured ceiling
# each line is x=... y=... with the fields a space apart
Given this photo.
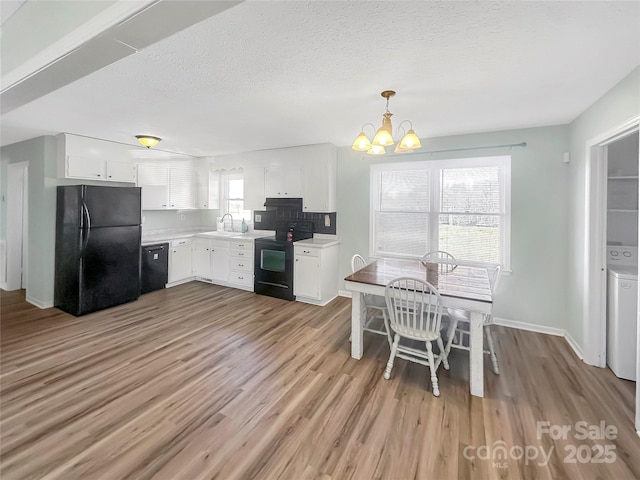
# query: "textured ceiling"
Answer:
x=274 y=74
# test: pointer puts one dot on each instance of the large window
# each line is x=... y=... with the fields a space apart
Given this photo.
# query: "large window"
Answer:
x=461 y=206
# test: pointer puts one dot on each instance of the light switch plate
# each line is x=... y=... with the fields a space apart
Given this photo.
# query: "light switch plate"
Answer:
x=258 y=217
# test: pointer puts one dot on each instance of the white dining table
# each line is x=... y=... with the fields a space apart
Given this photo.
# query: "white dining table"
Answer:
x=462 y=287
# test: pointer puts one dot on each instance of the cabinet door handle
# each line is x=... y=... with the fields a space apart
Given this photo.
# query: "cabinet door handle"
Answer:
x=241 y=264
x=240 y=278
x=241 y=254
x=98 y=175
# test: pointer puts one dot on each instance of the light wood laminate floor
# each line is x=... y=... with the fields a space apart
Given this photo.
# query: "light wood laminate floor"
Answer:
x=200 y=382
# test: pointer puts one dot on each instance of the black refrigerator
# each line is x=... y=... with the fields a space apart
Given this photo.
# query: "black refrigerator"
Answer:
x=98 y=232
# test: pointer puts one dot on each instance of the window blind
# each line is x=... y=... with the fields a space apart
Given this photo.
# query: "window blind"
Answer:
x=460 y=206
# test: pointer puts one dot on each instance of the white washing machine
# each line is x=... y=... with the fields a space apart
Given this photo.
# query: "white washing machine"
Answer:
x=622 y=310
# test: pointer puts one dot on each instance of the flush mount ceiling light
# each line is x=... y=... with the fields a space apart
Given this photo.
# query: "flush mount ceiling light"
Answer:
x=384 y=135
x=148 y=141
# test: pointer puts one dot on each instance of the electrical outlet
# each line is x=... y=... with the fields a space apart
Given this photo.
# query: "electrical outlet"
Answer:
x=327 y=221
x=258 y=218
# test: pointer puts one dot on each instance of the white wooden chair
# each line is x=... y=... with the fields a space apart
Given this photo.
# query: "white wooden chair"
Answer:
x=374 y=308
x=415 y=313
x=444 y=259
x=462 y=319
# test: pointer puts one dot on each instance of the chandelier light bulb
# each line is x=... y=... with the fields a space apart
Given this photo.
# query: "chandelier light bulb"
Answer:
x=384 y=135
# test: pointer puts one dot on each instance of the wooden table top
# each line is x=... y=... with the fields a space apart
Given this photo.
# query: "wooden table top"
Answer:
x=471 y=283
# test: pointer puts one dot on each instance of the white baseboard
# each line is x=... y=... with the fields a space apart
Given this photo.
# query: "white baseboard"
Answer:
x=532 y=327
x=574 y=345
x=344 y=293
x=39 y=303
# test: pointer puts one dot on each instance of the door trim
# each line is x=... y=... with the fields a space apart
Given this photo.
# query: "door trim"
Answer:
x=17 y=243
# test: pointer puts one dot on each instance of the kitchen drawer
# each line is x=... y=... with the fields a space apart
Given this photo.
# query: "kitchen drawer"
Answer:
x=241 y=265
x=307 y=251
x=248 y=254
x=241 y=278
x=241 y=245
x=181 y=241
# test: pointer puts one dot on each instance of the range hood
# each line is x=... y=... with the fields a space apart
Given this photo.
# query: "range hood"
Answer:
x=283 y=204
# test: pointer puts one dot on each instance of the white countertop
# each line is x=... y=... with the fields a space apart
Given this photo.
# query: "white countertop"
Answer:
x=318 y=242
x=168 y=235
x=235 y=235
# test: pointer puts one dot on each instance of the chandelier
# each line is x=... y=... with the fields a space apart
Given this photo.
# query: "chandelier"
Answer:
x=384 y=135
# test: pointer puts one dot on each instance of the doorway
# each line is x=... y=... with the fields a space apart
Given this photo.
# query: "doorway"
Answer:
x=622 y=164
x=17 y=251
x=595 y=259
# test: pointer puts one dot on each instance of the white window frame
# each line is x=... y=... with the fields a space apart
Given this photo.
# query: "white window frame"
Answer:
x=503 y=162
x=224 y=200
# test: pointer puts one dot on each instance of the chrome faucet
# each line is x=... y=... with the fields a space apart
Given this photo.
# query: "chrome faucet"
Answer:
x=231 y=217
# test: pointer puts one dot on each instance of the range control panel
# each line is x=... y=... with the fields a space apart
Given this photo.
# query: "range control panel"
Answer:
x=622 y=255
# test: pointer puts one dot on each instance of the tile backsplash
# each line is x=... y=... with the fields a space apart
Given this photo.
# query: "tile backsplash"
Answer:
x=322 y=222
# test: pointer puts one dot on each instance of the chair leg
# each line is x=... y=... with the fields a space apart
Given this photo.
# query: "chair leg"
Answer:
x=451 y=333
x=394 y=349
x=432 y=367
x=443 y=354
x=492 y=352
x=387 y=327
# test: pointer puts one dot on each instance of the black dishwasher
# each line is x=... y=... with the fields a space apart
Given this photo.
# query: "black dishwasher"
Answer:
x=155 y=267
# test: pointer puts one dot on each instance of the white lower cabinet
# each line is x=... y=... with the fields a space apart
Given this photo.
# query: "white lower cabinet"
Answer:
x=241 y=264
x=315 y=271
x=306 y=275
x=224 y=261
x=202 y=258
x=180 y=260
x=219 y=261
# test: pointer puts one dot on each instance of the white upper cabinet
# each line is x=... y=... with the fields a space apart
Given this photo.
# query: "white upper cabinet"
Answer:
x=167 y=187
x=154 y=181
x=254 y=194
x=121 y=172
x=94 y=159
x=208 y=182
x=320 y=179
x=307 y=172
x=285 y=181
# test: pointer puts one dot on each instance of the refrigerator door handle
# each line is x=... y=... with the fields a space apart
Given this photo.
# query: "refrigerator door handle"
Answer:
x=87 y=227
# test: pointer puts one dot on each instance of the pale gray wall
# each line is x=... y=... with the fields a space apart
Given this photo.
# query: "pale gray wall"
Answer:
x=158 y=219
x=40 y=152
x=535 y=291
x=618 y=105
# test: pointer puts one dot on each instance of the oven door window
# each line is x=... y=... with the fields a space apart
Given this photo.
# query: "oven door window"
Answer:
x=272 y=260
